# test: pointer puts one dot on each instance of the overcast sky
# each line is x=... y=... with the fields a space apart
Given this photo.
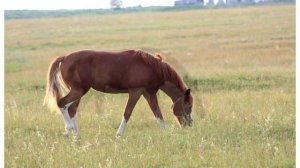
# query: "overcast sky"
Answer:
x=78 y=4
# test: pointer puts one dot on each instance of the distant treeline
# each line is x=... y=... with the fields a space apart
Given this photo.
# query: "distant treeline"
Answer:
x=29 y=14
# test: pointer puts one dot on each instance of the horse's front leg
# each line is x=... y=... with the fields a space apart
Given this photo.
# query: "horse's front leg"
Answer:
x=153 y=103
x=134 y=96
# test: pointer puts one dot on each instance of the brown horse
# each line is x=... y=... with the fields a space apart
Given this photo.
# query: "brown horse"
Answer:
x=134 y=72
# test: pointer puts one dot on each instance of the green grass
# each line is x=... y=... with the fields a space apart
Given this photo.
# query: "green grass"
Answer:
x=240 y=82
x=240 y=64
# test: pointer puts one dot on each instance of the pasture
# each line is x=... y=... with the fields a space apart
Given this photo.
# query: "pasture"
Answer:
x=239 y=63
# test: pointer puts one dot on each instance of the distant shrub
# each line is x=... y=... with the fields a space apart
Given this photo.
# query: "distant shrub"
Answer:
x=29 y=14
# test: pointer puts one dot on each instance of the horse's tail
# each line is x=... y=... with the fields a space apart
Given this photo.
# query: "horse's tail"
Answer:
x=53 y=85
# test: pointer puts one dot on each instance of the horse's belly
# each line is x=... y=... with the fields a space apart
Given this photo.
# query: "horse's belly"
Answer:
x=110 y=89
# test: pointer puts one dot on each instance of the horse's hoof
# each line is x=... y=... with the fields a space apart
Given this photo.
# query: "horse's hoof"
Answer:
x=163 y=127
x=66 y=135
x=118 y=136
x=77 y=138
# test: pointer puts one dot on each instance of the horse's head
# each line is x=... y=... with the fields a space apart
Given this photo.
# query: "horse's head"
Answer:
x=182 y=109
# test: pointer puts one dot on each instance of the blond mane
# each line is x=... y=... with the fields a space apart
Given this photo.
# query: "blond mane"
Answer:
x=163 y=69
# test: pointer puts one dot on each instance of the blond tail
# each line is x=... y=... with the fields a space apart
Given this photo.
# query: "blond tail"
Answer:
x=53 y=84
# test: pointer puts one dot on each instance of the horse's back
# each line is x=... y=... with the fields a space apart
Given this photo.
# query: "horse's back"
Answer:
x=92 y=55
x=104 y=70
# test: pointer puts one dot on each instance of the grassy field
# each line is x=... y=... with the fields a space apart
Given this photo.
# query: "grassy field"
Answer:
x=240 y=64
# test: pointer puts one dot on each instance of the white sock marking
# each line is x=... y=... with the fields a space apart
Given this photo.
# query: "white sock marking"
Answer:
x=122 y=127
x=76 y=129
x=68 y=121
x=161 y=123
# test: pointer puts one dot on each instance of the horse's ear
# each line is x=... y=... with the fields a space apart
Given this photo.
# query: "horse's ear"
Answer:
x=187 y=94
x=158 y=56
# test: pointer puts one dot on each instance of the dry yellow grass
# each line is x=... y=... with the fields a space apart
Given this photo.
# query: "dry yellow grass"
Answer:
x=242 y=58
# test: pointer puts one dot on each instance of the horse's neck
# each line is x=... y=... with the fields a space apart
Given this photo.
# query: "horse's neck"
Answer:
x=172 y=91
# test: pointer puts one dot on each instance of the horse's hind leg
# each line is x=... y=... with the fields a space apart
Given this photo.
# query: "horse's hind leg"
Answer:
x=68 y=106
x=73 y=114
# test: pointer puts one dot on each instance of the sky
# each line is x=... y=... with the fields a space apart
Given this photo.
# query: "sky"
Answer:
x=78 y=4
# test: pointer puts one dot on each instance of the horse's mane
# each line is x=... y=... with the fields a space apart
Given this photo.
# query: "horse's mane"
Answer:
x=163 y=70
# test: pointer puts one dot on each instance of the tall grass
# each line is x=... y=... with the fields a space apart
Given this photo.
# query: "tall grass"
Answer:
x=240 y=64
